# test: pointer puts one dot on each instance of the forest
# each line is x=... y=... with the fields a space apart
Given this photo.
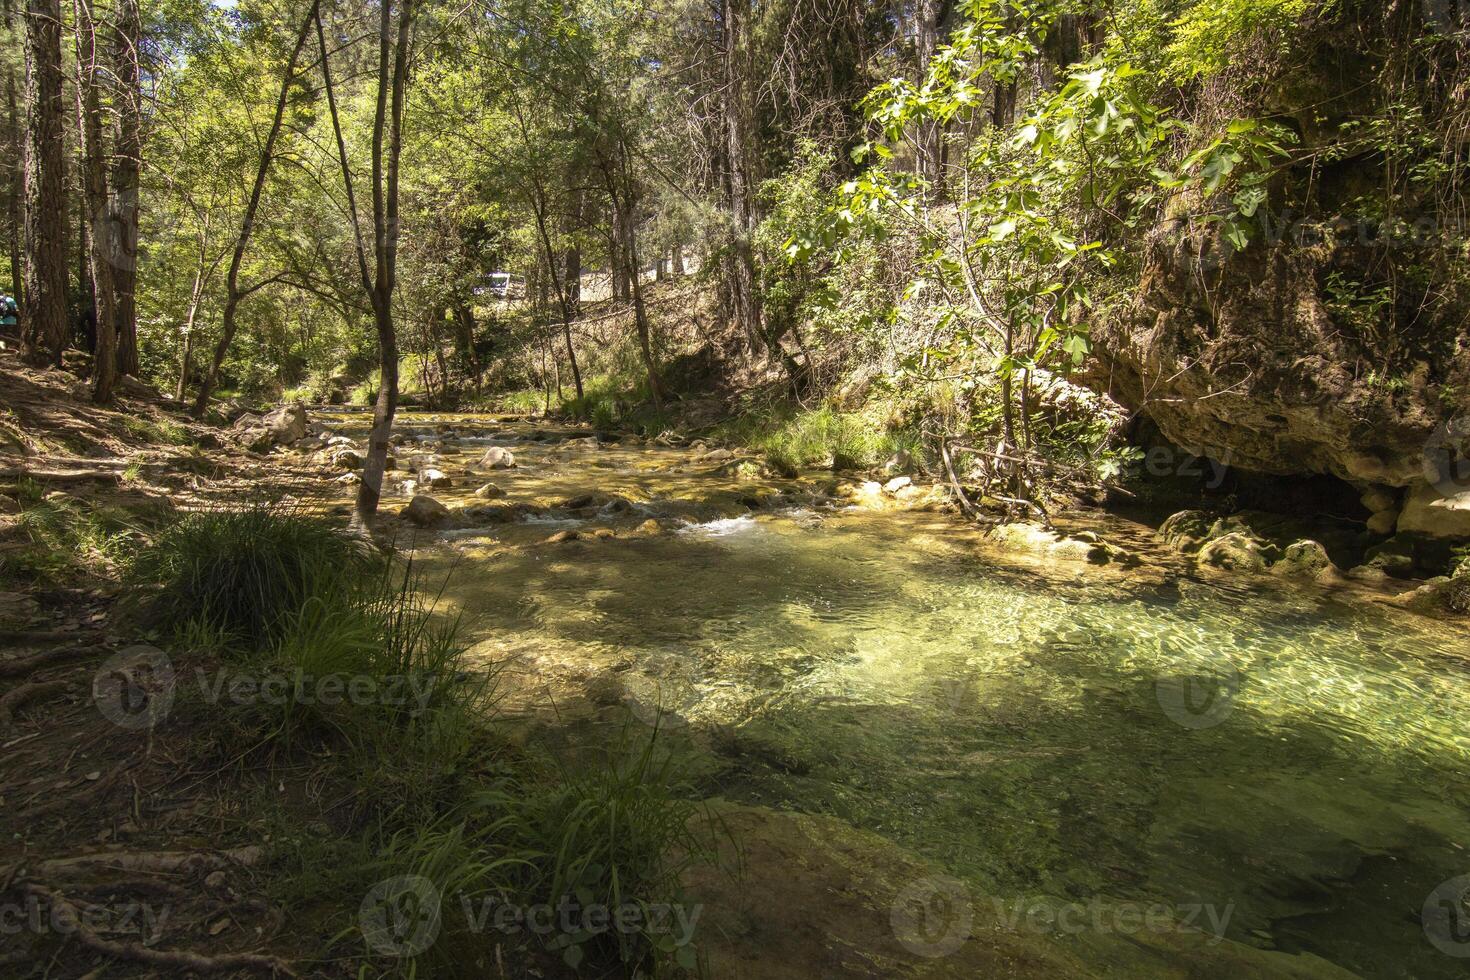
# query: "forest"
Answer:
x=735 y=488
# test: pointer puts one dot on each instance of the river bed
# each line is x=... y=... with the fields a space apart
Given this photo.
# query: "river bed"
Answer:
x=1285 y=767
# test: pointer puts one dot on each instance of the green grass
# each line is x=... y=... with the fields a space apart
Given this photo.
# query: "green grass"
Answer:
x=615 y=834
x=245 y=576
x=157 y=431
x=793 y=438
x=63 y=538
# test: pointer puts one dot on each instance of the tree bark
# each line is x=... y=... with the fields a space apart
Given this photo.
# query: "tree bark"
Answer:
x=128 y=162
x=100 y=243
x=740 y=267
x=15 y=141
x=43 y=316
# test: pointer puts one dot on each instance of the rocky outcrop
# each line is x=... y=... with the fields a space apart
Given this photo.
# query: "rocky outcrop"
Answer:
x=1336 y=342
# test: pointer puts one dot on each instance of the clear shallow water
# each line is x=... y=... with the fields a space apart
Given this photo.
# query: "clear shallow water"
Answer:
x=1139 y=737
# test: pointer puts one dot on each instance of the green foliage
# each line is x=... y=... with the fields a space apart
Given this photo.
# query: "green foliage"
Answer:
x=245 y=576
x=822 y=436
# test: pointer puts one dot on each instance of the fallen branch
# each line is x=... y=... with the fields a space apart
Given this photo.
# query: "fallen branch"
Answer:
x=70 y=921
x=14 y=698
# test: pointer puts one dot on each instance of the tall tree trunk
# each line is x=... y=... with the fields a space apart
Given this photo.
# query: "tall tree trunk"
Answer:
x=15 y=142
x=128 y=161
x=387 y=127
x=930 y=15
x=101 y=246
x=233 y=293
x=740 y=269
x=43 y=316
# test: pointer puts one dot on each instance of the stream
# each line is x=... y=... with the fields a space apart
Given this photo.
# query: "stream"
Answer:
x=1288 y=759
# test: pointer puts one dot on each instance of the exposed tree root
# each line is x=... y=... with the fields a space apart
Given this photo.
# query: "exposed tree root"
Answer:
x=158 y=862
x=70 y=919
x=21 y=666
x=14 y=698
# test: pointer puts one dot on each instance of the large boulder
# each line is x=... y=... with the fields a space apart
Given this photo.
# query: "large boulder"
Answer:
x=279 y=427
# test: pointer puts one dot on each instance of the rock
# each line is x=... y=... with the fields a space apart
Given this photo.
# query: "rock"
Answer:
x=1367 y=573
x=561 y=537
x=434 y=479
x=1383 y=522
x=348 y=479
x=496 y=458
x=425 y=511
x=579 y=502
x=899 y=462
x=615 y=505
x=1377 y=498
x=896 y=484
x=782 y=467
x=603 y=533
x=341 y=441
x=1187 y=531
x=1305 y=557
x=9 y=505
x=1393 y=557
x=17 y=609
x=1236 y=551
x=489 y=492
x=1442 y=596
x=650 y=527
x=842 y=461
x=717 y=456
x=867 y=494
x=279 y=427
x=347 y=459
x=1428 y=511
x=1035 y=539
x=745 y=470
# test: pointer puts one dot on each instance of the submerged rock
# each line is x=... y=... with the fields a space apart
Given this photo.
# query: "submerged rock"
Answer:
x=489 y=492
